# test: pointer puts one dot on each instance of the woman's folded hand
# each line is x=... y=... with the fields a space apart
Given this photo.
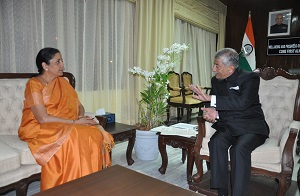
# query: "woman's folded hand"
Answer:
x=86 y=120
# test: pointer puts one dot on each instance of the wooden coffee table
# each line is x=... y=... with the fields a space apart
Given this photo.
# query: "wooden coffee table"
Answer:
x=120 y=132
x=176 y=141
x=116 y=180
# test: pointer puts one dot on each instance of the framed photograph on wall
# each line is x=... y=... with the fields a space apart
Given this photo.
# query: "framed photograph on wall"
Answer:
x=279 y=22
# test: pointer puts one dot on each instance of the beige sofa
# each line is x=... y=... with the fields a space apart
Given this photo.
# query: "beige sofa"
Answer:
x=17 y=166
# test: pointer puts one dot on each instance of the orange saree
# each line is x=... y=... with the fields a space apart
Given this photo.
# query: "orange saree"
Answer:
x=65 y=151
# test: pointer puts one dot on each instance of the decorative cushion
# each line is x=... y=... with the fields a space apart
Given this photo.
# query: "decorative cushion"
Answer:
x=9 y=158
x=22 y=148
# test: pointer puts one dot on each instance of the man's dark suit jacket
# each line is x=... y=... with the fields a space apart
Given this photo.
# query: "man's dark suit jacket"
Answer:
x=238 y=104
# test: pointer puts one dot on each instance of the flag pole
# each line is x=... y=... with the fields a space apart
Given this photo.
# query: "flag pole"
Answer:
x=247 y=59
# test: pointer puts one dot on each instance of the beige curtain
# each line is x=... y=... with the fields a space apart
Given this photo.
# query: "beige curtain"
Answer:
x=153 y=31
x=107 y=55
x=209 y=15
x=199 y=59
x=222 y=31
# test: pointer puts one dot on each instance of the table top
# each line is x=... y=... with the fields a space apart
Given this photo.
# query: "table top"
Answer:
x=116 y=180
x=116 y=127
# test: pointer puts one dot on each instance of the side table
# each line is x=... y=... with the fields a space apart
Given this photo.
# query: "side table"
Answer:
x=176 y=141
x=120 y=132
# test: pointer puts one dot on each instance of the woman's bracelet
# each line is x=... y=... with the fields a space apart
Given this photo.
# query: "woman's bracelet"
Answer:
x=73 y=121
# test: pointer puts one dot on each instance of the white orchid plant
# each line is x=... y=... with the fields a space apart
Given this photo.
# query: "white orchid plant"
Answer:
x=153 y=105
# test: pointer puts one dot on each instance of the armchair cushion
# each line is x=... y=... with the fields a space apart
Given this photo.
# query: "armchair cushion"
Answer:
x=267 y=153
x=188 y=100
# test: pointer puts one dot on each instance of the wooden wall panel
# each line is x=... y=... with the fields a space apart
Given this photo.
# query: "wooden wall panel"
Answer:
x=237 y=16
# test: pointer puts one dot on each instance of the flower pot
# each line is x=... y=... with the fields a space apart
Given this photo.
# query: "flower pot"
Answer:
x=146 y=145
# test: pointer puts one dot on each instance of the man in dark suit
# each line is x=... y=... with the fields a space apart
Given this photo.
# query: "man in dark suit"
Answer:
x=236 y=114
x=279 y=27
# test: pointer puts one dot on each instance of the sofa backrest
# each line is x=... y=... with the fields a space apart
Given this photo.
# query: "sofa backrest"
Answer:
x=279 y=96
x=12 y=86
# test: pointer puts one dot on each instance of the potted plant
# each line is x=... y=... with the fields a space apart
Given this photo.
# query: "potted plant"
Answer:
x=153 y=103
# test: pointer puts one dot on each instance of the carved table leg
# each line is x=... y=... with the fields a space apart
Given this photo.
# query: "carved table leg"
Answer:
x=131 y=141
x=163 y=153
x=183 y=158
x=190 y=163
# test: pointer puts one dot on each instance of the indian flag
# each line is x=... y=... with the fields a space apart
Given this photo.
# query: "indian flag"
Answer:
x=247 y=54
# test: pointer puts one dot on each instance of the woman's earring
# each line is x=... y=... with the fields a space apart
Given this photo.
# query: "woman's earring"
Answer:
x=46 y=69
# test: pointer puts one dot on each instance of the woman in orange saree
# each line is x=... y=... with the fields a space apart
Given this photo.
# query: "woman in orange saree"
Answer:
x=67 y=144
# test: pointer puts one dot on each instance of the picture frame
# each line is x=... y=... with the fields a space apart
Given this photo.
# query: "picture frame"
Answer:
x=279 y=23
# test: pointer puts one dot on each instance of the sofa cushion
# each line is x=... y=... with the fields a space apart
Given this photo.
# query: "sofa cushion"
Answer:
x=20 y=173
x=9 y=158
x=22 y=147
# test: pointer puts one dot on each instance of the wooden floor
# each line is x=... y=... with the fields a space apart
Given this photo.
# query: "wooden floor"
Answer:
x=175 y=173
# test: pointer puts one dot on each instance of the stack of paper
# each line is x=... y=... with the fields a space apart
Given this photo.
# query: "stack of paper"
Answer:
x=185 y=126
x=164 y=130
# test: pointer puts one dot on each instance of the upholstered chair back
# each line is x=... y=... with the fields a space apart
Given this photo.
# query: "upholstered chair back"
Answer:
x=187 y=79
x=174 y=83
x=277 y=97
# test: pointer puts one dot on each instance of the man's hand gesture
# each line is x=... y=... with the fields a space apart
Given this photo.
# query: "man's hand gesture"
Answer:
x=199 y=93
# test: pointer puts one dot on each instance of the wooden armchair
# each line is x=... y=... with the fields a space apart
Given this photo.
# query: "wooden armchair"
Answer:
x=178 y=98
x=186 y=80
x=280 y=98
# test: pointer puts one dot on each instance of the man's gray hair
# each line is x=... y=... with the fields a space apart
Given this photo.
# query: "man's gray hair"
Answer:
x=229 y=57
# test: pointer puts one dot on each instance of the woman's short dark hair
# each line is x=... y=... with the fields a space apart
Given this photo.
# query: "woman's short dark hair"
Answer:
x=44 y=56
